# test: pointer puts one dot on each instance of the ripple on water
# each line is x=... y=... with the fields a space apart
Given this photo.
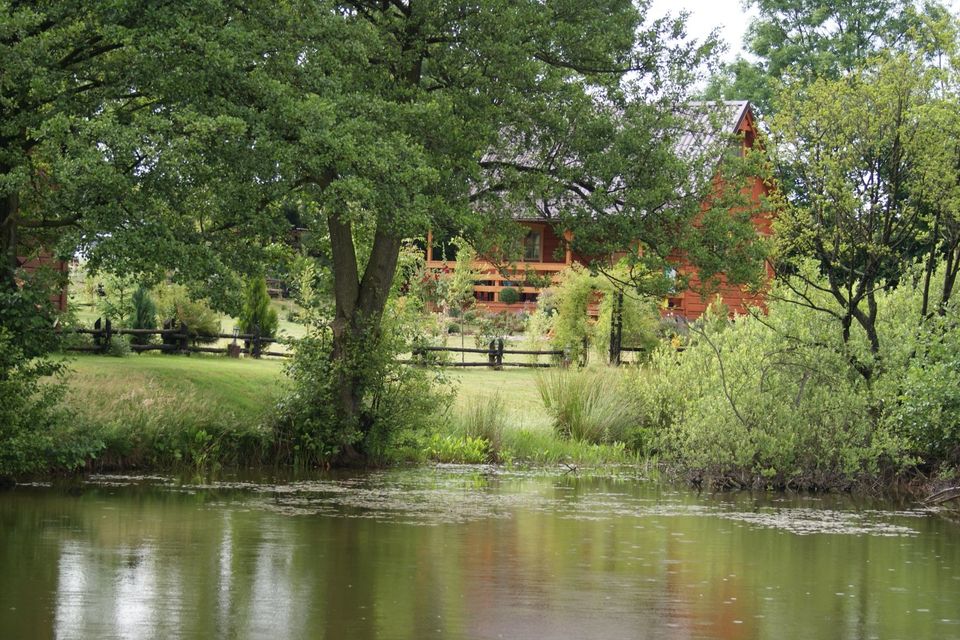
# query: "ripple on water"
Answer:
x=452 y=495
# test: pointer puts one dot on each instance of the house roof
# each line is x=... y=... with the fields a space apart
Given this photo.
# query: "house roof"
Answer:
x=705 y=122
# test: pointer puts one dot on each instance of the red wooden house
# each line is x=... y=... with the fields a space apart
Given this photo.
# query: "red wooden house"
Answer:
x=547 y=253
x=49 y=262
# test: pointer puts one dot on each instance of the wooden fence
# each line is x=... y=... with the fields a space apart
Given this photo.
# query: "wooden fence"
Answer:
x=495 y=352
x=177 y=340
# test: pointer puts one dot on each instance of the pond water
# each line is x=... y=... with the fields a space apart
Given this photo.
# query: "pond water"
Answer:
x=466 y=553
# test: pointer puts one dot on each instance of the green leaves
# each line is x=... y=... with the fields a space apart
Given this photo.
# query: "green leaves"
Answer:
x=800 y=40
x=256 y=314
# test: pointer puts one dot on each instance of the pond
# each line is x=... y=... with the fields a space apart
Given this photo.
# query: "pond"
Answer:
x=466 y=553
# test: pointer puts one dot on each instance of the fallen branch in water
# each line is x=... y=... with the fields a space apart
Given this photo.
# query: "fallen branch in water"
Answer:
x=946 y=495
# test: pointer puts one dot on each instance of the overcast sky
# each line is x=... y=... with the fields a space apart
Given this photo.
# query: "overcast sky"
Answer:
x=726 y=15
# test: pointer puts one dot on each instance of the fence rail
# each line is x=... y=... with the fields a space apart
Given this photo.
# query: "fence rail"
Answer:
x=495 y=352
x=179 y=340
x=176 y=340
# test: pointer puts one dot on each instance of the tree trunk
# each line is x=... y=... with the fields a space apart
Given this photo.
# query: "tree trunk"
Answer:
x=928 y=270
x=9 y=207
x=949 y=276
x=359 y=311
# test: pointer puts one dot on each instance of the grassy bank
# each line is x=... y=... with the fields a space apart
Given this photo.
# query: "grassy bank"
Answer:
x=155 y=411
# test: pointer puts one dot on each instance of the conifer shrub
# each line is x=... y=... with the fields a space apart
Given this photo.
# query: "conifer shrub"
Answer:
x=257 y=312
x=143 y=315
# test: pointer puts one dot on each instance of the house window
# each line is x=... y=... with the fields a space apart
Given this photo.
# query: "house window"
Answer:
x=671 y=275
x=532 y=245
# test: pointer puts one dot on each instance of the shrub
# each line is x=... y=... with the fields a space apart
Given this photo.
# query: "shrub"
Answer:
x=591 y=405
x=572 y=329
x=257 y=312
x=923 y=403
x=509 y=295
x=494 y=326
x=174 y=302
x=768 y=400
x=538 y=327
x=115 y=296
x=399 y=403
x=458 y=449
x=35 y=434
x=143 y=315
x=119 y=346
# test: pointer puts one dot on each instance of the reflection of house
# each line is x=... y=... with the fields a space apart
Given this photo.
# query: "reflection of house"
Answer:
x=547 y=252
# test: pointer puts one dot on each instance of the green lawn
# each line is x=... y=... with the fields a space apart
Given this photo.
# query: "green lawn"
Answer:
x=100 y=385
x=249 y=384
x=517 y=388
x=153 y=410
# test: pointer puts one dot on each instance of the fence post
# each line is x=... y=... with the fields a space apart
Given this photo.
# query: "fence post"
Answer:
x=418 y=354
x=183 y=339
x=166 y=338
x=257 y=343
x=233 y=349
x=108 y=335
x=492 y=353
x=97 y=337
x=499 y=353
x=585 y=353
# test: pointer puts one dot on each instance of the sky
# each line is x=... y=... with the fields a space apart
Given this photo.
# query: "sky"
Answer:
x=705 y=15
x=726 y=15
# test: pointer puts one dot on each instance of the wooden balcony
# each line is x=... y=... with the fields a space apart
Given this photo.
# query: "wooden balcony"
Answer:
x=492 y=279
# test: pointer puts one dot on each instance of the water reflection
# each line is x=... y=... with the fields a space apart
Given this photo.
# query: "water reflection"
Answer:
x=456 y=553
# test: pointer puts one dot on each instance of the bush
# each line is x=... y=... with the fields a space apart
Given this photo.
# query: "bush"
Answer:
x=35 y=434
x=119 y=346
x=114 y=295
x=924 y=402
x=458 y=450
x=769 y=401
x=143 y=315
x=257 y=312
x=591 y=405
x=538 y=327
x=399 y=403
x=496 y=326
x=572 y=329
x=509 y=295
x=34 y=431
x=174 y=302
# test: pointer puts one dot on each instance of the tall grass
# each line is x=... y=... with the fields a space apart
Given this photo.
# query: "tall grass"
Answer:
x=157 y=412
x=589 y=405
x=495 y=427
x=486 y=418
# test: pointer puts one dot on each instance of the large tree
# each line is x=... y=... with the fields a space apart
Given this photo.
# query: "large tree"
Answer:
x=868 y=165
x=811 y=39
x=115 y=139
x=394 y=117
